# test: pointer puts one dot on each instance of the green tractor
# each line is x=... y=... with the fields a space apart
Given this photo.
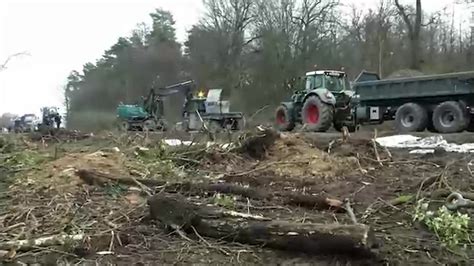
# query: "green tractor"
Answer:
x=324 y=101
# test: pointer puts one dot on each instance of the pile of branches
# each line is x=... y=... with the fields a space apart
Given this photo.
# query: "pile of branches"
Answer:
x=40 y=220
x=176 y=212
x=59 y=135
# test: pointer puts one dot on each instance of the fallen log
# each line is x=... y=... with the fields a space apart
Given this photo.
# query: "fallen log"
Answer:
x=93 y=177
x=223 y=188
x=319 y=239
x=290 y=198
x=311 y=201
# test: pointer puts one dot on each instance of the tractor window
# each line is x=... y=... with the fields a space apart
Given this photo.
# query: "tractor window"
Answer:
x=308 y=83
x=335 y=84
x=318 y=82
x=314 y=82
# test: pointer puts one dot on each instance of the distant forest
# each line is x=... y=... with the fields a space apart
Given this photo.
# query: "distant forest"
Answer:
x=253 y=48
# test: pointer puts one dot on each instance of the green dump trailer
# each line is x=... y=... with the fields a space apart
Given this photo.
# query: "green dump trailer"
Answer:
x=440 y=103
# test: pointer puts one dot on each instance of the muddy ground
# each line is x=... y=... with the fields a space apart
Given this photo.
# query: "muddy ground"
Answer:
x=42 y=195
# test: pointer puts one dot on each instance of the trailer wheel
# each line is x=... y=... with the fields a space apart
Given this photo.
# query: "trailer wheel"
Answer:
x=317 y=116
x=449 y=117
x=411 y=117
x=283 y=119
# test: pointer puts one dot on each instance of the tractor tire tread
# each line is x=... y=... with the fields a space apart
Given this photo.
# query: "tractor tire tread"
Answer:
x=326 y=115
x=289 y=125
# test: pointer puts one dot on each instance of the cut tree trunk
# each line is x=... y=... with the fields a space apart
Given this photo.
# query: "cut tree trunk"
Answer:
x=319 y=239
x=93 y=177
x=311 y=201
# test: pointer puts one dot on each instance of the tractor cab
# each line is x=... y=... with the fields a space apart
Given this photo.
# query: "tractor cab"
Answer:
x=195 y=103
x=334 y=81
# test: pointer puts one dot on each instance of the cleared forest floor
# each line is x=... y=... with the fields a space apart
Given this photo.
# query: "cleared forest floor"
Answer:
x=84 y=199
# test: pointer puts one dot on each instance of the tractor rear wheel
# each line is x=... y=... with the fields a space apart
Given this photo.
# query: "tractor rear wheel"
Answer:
x=449 y=117
x=317 y=116
x=283 y=119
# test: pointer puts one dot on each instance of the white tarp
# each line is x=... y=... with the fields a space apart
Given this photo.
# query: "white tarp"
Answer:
x=176 y=142
x=424 y=145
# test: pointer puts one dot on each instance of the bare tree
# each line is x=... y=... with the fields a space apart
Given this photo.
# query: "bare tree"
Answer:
x=414 y=27
x=314 y=23
x=230 y=20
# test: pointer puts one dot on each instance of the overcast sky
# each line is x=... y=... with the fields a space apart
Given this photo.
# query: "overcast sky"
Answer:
x=62 y=35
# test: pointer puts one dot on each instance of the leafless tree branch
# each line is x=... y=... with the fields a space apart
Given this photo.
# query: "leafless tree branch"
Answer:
x=10 y=57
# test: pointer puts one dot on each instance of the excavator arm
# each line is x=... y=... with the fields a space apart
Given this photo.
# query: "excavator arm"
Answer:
x=153 y=103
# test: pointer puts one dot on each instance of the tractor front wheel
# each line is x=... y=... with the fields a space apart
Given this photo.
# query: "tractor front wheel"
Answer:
x=283 y=119
x=317 y=116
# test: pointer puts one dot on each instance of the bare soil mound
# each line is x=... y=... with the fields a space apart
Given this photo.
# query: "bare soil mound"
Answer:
x=60 y=174
x=281 y=156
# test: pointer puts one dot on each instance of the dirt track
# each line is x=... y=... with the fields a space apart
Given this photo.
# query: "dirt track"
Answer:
x=58 y=200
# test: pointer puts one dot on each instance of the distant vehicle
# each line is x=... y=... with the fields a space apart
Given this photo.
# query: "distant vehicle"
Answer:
x=26 y=123
x=149 y=115
x=50 y=118
x=440 y=103
x=212 y=111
